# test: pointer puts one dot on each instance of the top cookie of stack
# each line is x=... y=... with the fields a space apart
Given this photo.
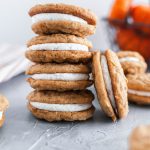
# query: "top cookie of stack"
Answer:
x=62 y=18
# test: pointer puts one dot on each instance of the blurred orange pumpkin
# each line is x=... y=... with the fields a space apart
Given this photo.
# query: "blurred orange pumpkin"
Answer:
x=120 y=9
x=141 y=14
x=129 y=39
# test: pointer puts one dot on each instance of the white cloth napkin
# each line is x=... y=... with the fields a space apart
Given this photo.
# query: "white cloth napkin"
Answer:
x=12 y=61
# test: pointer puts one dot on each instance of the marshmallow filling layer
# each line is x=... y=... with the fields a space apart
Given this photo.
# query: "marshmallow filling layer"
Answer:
x=56 y=17
x=139 y=93
x=60 y=47
x=107 y=80
x=129 y=59
x=61 y=107
x=61 y=76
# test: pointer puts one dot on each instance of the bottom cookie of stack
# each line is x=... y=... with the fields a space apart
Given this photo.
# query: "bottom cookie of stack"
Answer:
x=57 y=106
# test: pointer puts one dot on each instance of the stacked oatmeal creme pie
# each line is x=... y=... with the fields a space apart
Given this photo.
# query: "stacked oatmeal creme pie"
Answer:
x=135 y=67
x=62 y=60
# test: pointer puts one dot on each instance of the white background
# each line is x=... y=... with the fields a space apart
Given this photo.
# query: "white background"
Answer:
x=15 y=22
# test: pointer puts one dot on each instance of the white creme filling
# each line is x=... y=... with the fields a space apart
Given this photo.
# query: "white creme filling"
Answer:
x=129 y=59
x=107 y=80
x=1 y=114
x=139 y=93
x=61 y=76
x=56 y=17
x=59 y=46
x=61 y=107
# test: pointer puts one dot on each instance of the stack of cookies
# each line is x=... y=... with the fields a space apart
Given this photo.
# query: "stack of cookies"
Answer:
x=62 y=60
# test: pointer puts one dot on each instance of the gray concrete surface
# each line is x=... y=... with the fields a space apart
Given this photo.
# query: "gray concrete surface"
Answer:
x=22 y=131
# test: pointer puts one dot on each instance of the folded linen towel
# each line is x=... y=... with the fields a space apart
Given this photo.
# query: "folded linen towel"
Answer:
x=12 y=61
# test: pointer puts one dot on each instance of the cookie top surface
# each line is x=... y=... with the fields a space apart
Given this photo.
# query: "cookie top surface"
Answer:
x=123 y=54
x=139 y=82
x=3 y=103
x=58 y=68
x=119 y=83
x=100 y=87
x=83 y=13
x=68 y=97
x=59 y=38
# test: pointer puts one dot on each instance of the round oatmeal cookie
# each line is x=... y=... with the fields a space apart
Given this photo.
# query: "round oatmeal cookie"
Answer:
x=139 y=88
x=61 y=77
x=58 y=68
x=110 y=84
x=132 y=62
x=57 y=106
x=55 y=18
x=68 y=97
x=139 y=138
x=59 y=48
x=59 y=85
x=59 y=116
